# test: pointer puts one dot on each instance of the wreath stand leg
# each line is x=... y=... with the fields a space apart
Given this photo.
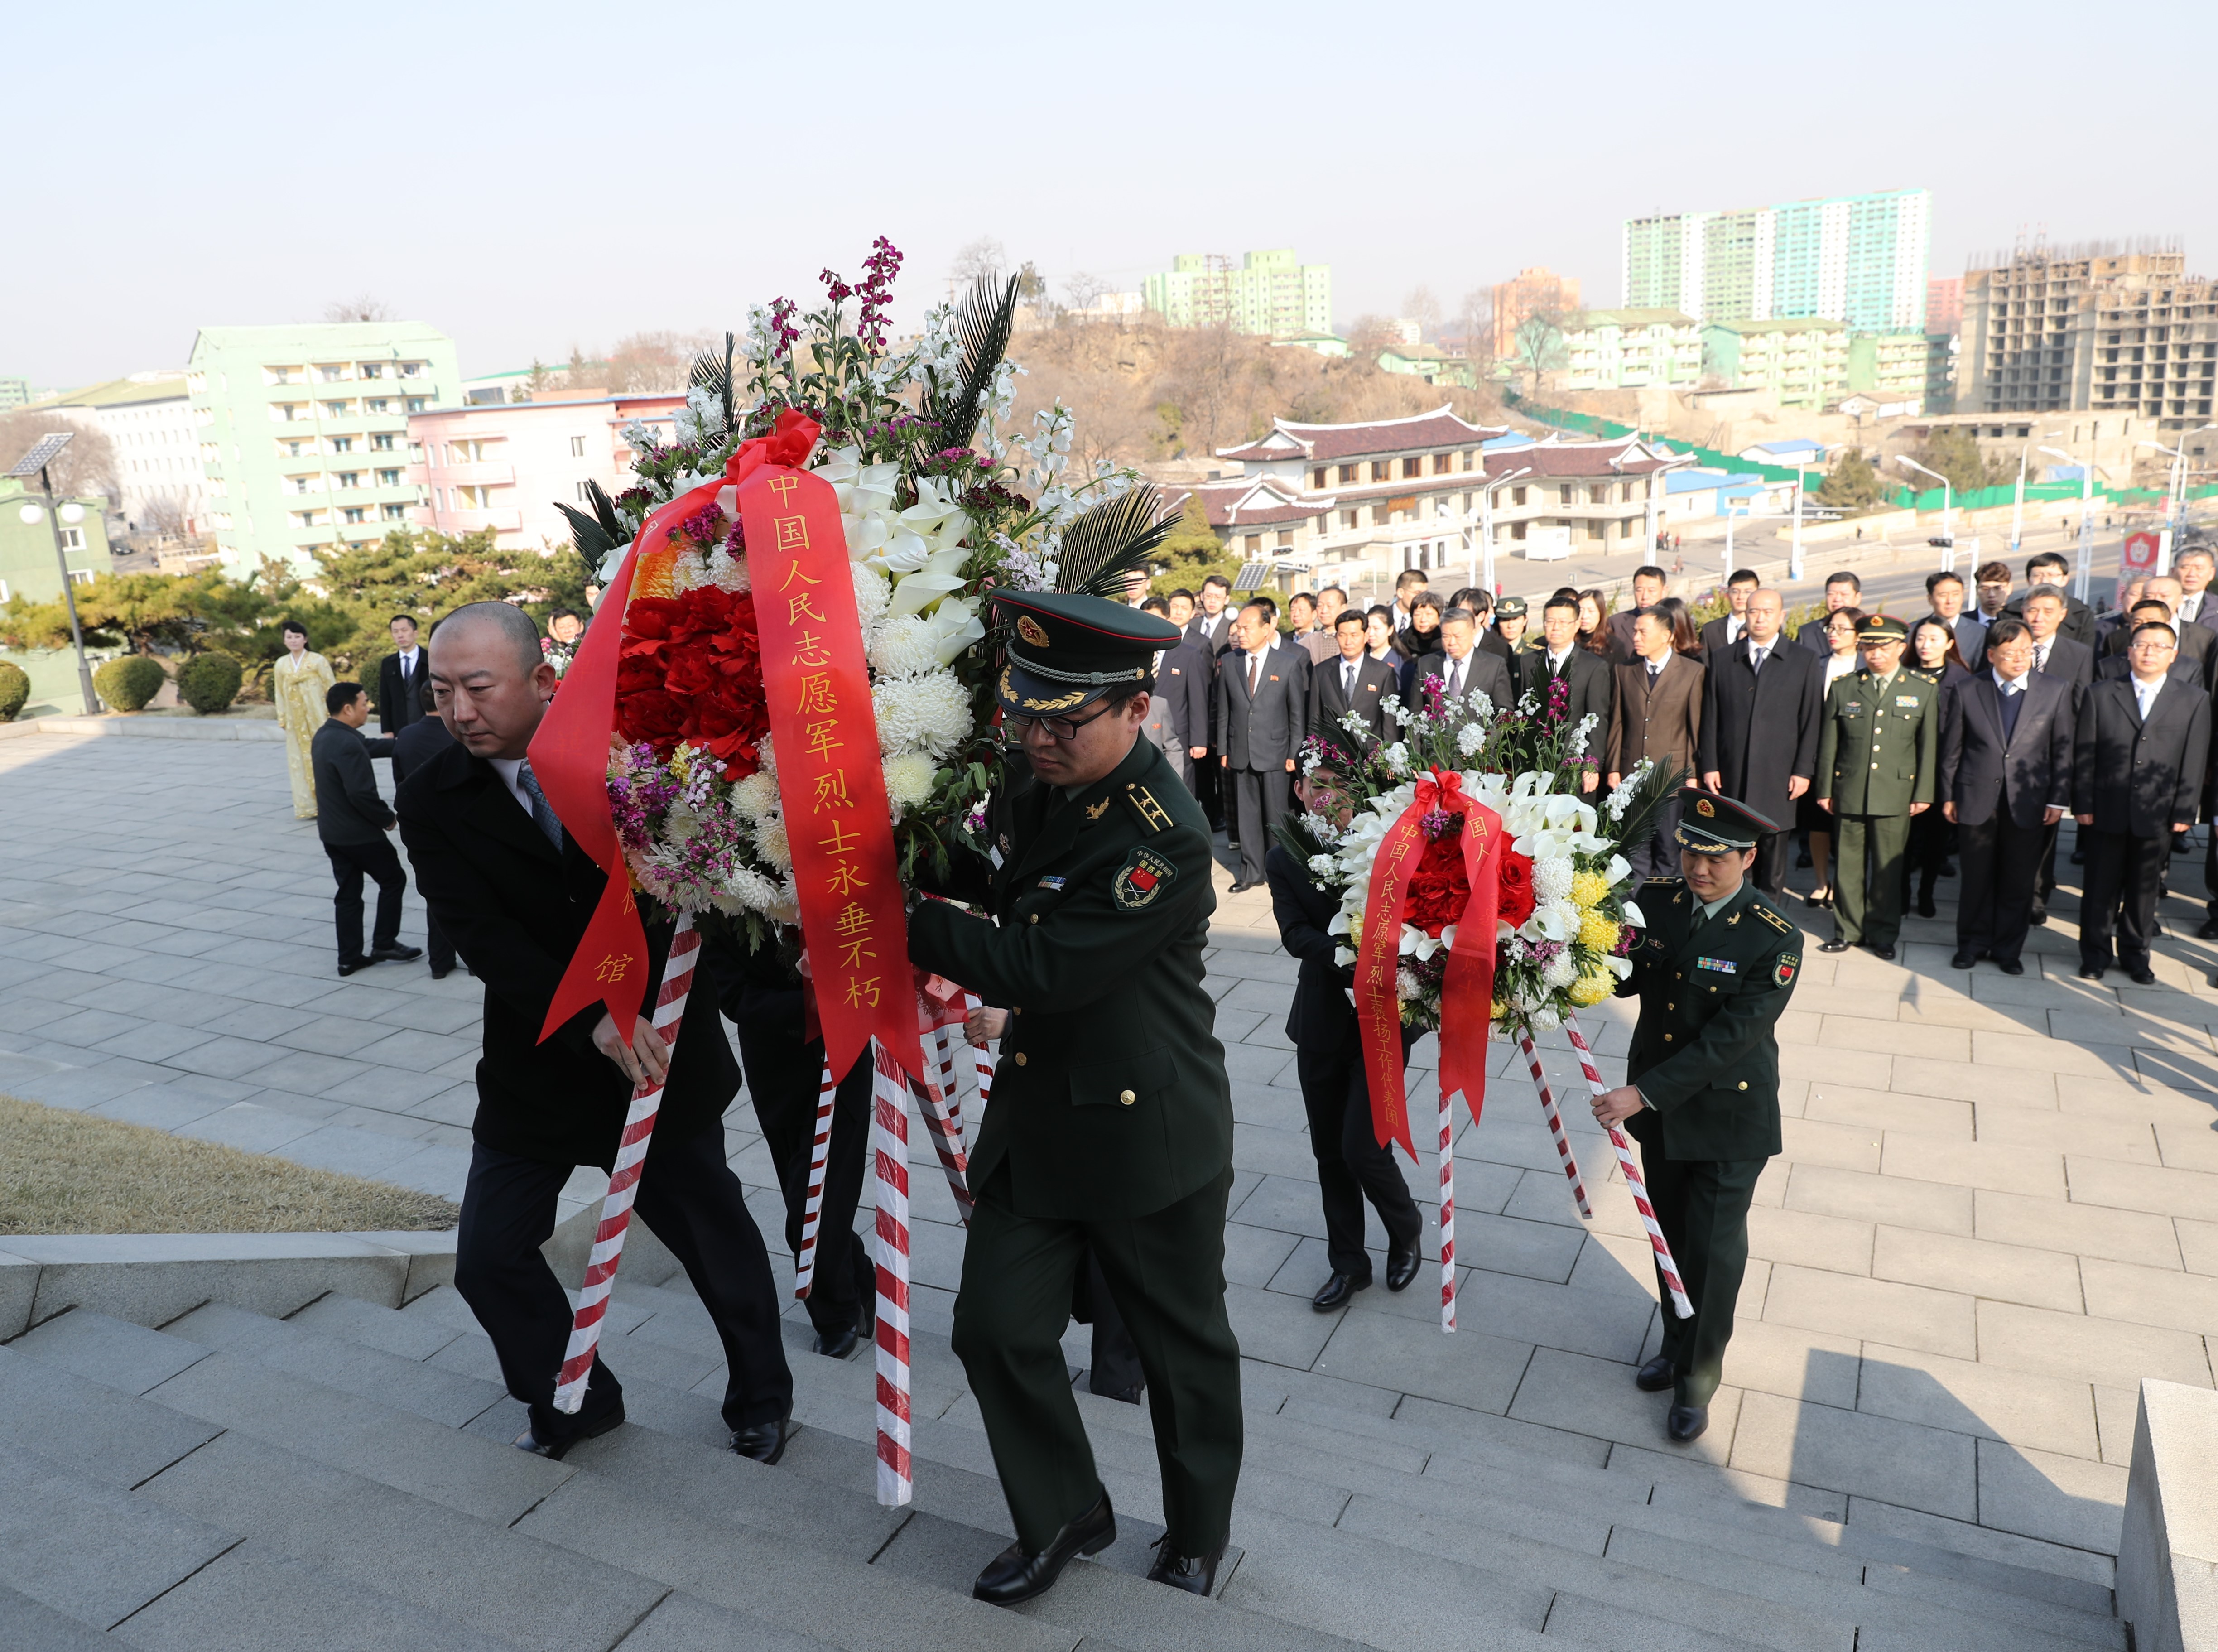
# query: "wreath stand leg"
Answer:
x=981 y=1064
x=623 y=1181
x=1555 y=1121
x=945 y=1124
x=820 y=1147
x=1447 y=1212
x=1664 y=1264
x=889 y=1152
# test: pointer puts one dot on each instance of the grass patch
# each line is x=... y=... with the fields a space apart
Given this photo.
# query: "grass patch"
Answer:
x=63 y=1172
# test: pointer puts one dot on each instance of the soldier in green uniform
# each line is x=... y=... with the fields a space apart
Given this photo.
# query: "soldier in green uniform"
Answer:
x=1714 y=968
x=1111 y=1124
x=1877 y=760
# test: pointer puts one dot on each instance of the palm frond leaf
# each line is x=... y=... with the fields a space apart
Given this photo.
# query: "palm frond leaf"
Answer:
x=713 y=373
x=984 y=325
x=599 y=533
x=1106 y=542
x=1647 y=801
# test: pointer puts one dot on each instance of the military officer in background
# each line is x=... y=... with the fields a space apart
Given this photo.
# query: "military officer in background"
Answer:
x=1878 y=762
x=1110 y=1128
x=1714 y=968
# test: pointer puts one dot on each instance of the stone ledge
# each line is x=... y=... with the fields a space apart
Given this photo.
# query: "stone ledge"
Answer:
x=159 y=728
x=2168 y=1564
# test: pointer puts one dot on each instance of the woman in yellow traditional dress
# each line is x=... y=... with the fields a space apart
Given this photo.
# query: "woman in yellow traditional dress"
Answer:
x=297 y=683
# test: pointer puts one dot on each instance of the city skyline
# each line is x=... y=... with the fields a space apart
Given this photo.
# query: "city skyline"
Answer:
x=518 y=229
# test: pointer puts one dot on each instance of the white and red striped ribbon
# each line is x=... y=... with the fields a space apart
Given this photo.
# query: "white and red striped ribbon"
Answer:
x=981 y=1060
x=624 y=1180
x=1447 y=1212
x=945 y=1124
x=1657 y=1243
x=819 y=1148
x=889 y=1152
x=1555 y=1122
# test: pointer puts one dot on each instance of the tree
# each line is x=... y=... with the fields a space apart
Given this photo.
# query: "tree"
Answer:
x=1538 y=344
x=645 y=363
x=983 y=256
x=84 y=468
x=1951 y=450
x=361 y=309
x=1419 y=305
x=1193 y=552
x=1372 y=334
x=1852 y=484
x=1476 y=318
x=1084 y=289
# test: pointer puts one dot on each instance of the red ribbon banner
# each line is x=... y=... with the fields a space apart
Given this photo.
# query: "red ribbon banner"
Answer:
x=838 y=822
x=1467 y=993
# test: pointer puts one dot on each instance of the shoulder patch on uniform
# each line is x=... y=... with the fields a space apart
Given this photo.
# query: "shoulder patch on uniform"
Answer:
x=1153 y=815
x=1141 y=878
x=1773 y=919
x=1782 y=972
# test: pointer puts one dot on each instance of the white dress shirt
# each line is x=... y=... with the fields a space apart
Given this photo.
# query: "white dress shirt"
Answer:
x=2191 y=607
x=1348 y=670
x=408 y=658
x=506 y=769
x=2145 y=694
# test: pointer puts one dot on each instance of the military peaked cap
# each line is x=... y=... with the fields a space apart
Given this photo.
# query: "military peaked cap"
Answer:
x=1065 y=650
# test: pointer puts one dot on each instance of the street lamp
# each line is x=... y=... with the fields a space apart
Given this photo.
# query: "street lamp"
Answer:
x=1948 y=510
x=35 y=463
x=1802 y=485
x=2085 y=571
x=2017 y=500
x=1486 y=524
x=2175 y=489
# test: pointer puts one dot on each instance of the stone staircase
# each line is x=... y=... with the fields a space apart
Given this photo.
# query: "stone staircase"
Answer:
x=342 y=1479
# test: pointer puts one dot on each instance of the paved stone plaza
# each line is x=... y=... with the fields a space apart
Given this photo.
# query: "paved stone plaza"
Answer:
x=1996 y=1211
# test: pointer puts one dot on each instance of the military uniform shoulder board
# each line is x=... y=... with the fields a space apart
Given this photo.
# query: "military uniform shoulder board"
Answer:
x=1153 y=815
x=1772 y=918
x=1662 y=883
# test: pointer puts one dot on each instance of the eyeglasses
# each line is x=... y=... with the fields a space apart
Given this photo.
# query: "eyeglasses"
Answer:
x=1056 y=728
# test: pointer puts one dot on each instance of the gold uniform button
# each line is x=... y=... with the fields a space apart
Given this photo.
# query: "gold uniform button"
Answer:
x=1671 y=1006
x=1667 y=1038
x=1020 y=1058
x=1126 y=1096
x=1744 y=1084
x=1034 y=918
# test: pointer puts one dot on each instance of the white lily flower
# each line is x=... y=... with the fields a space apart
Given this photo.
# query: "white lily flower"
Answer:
x=1633 y=917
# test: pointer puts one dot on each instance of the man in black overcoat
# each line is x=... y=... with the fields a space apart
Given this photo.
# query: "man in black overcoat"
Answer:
x=352 y=823
x=2138 y=761
x=2006 y=738
x=1764 y=702
x=413 y=747
x=516 y=893
x=402 y=677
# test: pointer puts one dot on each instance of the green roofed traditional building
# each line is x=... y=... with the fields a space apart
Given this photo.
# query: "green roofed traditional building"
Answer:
x=304 y=431
x=1268 y=293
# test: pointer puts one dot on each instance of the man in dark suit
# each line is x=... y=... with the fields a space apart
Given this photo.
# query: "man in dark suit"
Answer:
x=353 y=821
x=2137 y=770
x=2049 y=569
x=1585 y=675
x=516 y=893
x=2193 y=567
x=1842 y=591
x=1167 y=726
x=413 y=747
x=1336 y=1095
x=2115 y=667
x=1659 y=717
x=1944 y=596
x=1721 y=633
x=1462 y=667
x=1262 y=717
x=402 y=677
x=1212 y=631
x=2198 y=646
x=2043 y=611
x=2005 y=780
x=1762 y=700
x=1185 y=680
x=1351 y=680
x=1649 y=584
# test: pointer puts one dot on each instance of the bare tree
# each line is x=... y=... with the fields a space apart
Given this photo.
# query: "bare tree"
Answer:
x=85 y=467
x=654 y=361
x=1419 y=305
x=1539 y=344
x=1477 y=320
x=363 y=307
x=1372 y=334
x=1084 y=289
x=983 y=256
x=164 y=518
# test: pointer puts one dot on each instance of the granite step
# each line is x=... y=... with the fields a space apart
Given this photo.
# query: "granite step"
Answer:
x=29 y=1625
x=408 y=1385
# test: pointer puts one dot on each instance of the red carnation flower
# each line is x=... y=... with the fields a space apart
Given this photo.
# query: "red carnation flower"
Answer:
x=1439 y=891
x=652 y=717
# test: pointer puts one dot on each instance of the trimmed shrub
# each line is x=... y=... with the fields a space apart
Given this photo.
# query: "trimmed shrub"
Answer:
x=15 y=689
x=126 y=685
x=209 y=682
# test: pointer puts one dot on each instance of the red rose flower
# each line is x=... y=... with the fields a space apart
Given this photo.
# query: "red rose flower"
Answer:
x=1439 y=891
x=1514 y=879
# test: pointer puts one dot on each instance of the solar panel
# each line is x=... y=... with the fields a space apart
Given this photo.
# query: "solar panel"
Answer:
x=43 y=454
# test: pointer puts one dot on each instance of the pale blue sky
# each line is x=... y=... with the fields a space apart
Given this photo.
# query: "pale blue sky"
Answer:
x=529 y=178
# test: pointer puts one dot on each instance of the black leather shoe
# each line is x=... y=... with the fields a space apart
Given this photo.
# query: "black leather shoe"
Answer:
x=1335 y=1291
x=2037 y=919
x=1963 y=960
x=1687 y=1423
x=1012 y=1575
x=840 y=1344
x=2142 y=977
x=1195 y=1573
x=348 y=966
x=2089 y=972
x=1835 y=945
x=2208 y=931
x=2011 y=966
x=1401 y=1268
x=764 y=1443
x=1123 y=1396
x=554 y=1451
x=441 y=971
x=396 y=954
x=1658 y=1374
x=1925 y=908
x=1885 y=953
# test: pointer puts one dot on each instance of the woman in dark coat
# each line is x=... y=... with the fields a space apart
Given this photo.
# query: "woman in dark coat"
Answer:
x=1932 y=654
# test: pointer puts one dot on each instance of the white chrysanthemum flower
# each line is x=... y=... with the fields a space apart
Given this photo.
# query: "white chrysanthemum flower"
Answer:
x=1552 y=879
x=1563 y=969
x=1323 y=866
x=1405 y=984
x=755 y=797
x=726 y=572
x=1547 y=1019
x=872 y=593
x=690 y=572
x=766 y=756
x=930 y=714
x=752 y=890
x=908 y=781
x=771 y=840
x=904 y=647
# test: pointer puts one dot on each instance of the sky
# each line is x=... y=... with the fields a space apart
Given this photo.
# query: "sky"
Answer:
x=528 y=179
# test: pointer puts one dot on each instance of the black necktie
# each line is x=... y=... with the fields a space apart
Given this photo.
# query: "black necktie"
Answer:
x=2013 y=701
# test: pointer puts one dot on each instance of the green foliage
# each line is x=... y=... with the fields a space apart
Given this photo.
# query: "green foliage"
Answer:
x=15 y=690
x=1191 y=552
x=1952 y=452
x=1852 y=484
x=126 y=685
x=209 y=682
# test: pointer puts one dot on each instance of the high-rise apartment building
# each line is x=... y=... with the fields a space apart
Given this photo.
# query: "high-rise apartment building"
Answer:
x=1857 y=260
x=1269 y=293
x=303 y=431
x=1536 y=291
x=14 y=393
x=1944 y=303
x=149 y=422
x=2090 y=328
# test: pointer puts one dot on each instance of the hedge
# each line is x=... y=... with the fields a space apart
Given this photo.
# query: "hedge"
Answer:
x=126 y=685
x=209 y=682
x=15 y=689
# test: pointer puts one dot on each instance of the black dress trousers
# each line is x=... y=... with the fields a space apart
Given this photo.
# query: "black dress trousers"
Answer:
x=2000 y=864
x=690 y=1199
x=1261 y=797
x=2123 y=875
x=351 y=863
x=1351 y=1165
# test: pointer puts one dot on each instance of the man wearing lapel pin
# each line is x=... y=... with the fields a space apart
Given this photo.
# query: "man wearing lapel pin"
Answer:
x=1262 y=716
x=1351 y=680
x=515 y=894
